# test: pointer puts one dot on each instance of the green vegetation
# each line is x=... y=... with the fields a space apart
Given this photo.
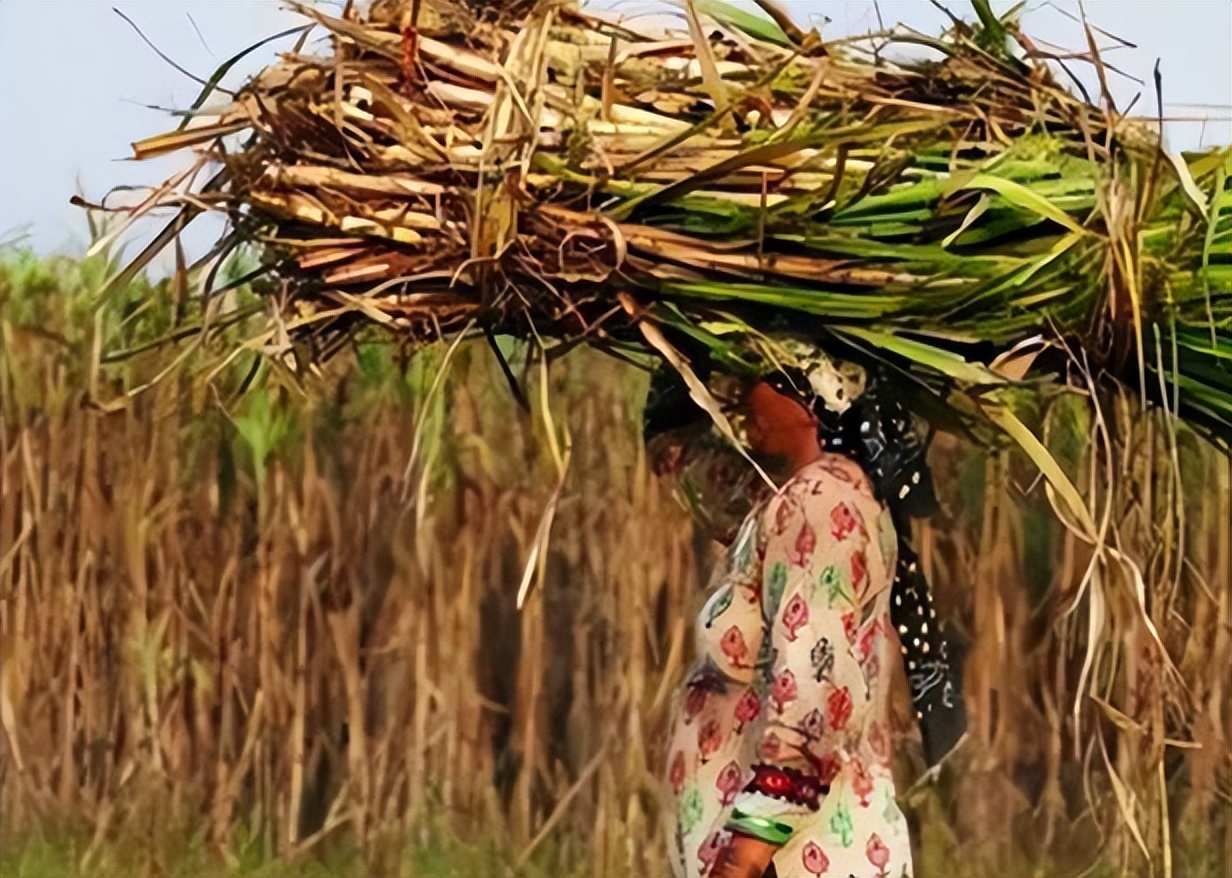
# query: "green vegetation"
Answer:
x=533 y=171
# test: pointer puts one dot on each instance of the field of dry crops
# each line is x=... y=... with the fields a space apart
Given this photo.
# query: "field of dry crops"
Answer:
x=238 y=634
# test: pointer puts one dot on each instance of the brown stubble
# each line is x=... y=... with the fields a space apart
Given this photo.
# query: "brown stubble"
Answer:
x=310 y=661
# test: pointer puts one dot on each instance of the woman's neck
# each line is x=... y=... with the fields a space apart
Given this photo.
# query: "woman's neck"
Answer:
x=803 y=453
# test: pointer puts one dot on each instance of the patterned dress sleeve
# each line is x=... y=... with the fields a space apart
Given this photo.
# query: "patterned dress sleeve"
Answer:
x=825 y=563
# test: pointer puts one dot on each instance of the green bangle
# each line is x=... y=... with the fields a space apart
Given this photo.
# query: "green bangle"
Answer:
x=763 y=828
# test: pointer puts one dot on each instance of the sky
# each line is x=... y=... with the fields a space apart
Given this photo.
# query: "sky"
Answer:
x=78 y=84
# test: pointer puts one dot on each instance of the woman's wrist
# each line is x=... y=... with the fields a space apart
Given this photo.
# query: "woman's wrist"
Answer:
x=765 y=829
x=744 y=857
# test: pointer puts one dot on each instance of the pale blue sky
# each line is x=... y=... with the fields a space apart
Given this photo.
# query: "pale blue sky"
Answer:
x=76 y=81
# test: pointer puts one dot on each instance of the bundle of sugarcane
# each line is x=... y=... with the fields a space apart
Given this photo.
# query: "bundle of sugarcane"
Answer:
x=531 y=170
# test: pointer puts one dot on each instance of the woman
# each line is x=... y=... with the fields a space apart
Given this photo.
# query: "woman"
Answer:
x=779 y=757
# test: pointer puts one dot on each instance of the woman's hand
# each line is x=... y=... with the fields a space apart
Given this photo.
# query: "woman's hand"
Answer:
x=743 y=857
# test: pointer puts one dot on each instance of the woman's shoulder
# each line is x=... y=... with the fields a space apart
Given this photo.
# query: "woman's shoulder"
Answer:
x=831 y=473
x=834 y=496
x=831 y=482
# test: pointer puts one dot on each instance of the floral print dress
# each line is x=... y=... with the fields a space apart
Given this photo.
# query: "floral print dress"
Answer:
x=781 y=729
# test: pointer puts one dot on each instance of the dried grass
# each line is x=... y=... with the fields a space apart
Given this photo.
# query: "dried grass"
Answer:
x=232 y=630
x=450 y=167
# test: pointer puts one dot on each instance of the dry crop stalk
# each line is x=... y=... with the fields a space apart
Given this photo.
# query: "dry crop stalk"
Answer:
x=522 y=167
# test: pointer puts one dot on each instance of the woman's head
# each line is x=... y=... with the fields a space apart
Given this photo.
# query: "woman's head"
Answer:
x=779 y=418
x=779 y=425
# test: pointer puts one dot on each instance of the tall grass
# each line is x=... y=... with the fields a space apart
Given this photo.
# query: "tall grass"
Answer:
x=238 y=633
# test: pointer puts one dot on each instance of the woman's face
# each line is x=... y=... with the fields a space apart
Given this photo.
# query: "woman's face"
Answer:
x=775 y=423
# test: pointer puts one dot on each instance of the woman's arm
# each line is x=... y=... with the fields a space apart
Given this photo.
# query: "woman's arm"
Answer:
x=744 y=857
